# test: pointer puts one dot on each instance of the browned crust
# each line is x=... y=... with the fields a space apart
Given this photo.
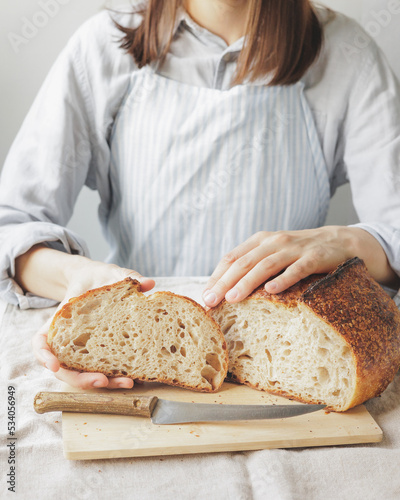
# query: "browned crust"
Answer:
x=134 y=284
x=144 y=379
x=353 y=303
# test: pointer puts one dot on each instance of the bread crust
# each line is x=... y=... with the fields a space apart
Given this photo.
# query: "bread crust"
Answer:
x=356 y=306
x=349 y=300
x=134 y=285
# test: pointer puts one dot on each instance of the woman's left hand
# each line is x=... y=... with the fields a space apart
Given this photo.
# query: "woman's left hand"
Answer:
x=298 y=253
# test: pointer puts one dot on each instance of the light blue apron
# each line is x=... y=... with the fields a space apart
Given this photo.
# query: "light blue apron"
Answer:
x=196 y=171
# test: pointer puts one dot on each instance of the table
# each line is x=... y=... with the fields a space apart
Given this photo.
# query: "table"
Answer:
x=342 y=472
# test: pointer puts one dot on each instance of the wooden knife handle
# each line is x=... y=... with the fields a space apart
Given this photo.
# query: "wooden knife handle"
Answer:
x=119 y=404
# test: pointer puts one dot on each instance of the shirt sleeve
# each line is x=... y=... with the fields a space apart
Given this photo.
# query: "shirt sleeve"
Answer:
x=47 y=165
x=371 y=135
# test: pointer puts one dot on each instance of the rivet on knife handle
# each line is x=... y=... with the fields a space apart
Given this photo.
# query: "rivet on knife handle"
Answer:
x=119 y=404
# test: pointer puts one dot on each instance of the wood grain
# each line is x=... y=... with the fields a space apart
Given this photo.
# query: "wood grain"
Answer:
x=89 y=436
x=120 y=404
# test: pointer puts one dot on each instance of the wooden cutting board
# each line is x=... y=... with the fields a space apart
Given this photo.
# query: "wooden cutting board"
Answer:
x=87 y=436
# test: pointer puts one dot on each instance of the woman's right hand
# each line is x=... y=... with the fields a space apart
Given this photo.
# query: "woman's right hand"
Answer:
x=84 y=275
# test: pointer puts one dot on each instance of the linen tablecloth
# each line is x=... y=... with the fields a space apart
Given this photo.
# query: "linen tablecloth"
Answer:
x=343 y=472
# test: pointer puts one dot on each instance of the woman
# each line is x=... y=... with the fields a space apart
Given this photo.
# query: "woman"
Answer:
x=215 y=136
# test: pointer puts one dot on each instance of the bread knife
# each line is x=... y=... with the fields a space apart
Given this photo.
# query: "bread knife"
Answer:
x=162 y=411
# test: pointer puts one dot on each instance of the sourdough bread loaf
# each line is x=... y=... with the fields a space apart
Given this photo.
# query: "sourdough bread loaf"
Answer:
x=331 y=339
x=118 y=331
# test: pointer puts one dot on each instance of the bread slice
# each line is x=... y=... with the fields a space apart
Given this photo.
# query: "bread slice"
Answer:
x=331 y=339
x=118 y=331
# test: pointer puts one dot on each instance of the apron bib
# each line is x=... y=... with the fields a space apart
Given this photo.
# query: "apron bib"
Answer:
x=195 y=171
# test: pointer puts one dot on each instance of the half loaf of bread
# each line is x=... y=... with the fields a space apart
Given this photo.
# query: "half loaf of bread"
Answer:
x=332 y=339
x=118 y=331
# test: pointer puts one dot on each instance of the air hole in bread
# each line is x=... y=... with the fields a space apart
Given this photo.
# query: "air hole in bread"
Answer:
x=268 y=355
x=227 y=326
x=165 y=351
x=193 y=337
x=181 y=324
x=238 y=345
x=212 y=359
x=125 y=334
x=83 y=351
x=183 y=352
x=82 y=339
x=162 y=311
x=173 y=349
x=182 y=334
x=245 y=356
x=89 y=307
x=322 y=352
x=345 y=351
x=245 y=325
x=66 y=314
x=145 y=351
x=323 y=375
x=208 y=374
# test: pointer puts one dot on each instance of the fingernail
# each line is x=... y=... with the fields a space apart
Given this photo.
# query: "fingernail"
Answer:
x=46 y=355
x=271 y=286
x=232 y=294
x=97 y=383
x=210 y=298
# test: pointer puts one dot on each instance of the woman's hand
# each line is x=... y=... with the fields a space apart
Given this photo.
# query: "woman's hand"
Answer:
x=85 y=275
x=297 y=253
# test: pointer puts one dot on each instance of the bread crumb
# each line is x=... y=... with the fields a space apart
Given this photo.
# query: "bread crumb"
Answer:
x=84 y=423
x=85 y=435
x=56 y=421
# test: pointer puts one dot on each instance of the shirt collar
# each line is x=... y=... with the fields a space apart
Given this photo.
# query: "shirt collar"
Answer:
x=183 y=19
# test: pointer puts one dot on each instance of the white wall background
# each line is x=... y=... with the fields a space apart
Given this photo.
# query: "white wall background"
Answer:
x=24 y=68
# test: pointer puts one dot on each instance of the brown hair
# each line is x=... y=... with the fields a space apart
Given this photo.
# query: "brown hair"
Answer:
x=283 y=38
